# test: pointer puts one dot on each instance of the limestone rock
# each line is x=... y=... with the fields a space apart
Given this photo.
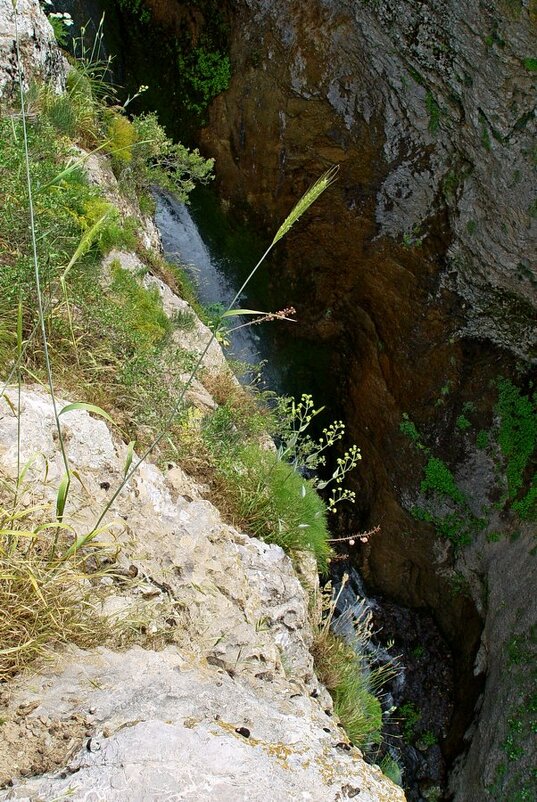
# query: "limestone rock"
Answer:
x=159 y=727
x=168 y=719
x=39 y=52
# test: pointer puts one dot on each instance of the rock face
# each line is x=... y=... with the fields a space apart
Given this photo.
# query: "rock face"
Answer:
x=164 y=728
x=39 y=51
x=231 y=710
x=429 y=108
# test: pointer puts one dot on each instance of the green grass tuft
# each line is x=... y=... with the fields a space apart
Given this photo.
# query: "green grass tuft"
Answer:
x=278 y=505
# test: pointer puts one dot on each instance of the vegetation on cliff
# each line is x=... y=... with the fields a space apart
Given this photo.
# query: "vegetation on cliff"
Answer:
x=107 y=340
x=510 y=447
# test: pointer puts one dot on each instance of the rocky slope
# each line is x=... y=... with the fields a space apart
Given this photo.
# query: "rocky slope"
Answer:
x=39 y=52
x=231 y=708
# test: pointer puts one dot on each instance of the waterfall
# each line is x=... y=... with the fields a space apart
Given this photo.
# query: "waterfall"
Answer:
x=183 y=245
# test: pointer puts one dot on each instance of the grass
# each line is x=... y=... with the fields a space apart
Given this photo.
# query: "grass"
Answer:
x=45 y=597
x=257 y=491
x=352 y=681
x=107 y=339
x=272 y=501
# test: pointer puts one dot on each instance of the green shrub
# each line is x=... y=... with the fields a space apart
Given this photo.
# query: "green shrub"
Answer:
x=159 y=160
x=408 y=428
x=206 y=73
x=517 y=439
x=462 y=423
x=121 y=137
x=138 y=9
x=411 y=717
x=482 y=439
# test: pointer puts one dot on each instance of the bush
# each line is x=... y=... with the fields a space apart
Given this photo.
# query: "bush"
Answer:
x=121 y=138
x=206 y=74
x=158 y=160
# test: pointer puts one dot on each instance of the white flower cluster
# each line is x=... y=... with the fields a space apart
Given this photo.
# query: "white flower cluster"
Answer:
x=62 y=16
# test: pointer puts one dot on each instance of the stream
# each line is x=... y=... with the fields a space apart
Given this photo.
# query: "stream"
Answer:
x=417 y=698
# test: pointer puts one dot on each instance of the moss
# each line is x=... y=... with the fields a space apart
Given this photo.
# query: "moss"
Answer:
x=517 y=436
x=530 y=64
x=439 y=479
x=433 y=112
x=462 y=423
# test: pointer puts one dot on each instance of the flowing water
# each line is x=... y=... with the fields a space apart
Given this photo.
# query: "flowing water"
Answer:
x=182 y=244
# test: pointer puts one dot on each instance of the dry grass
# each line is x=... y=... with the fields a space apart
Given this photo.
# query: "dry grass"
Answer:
x=45 y=599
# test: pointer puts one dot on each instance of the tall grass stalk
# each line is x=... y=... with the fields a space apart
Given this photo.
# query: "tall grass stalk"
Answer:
x=37 y=275
x=298 y=210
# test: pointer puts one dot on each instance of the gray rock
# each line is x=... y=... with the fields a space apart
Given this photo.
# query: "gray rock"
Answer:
x=164 y=723
x=40 y=55
x=163 y=728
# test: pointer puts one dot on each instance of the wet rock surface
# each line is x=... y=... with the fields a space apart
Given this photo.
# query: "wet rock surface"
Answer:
x=416 y=269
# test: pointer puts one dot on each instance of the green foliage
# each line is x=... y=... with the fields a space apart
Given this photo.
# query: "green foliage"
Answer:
x=530 y=64
x=391 y=768
x=482 y=439
x=274 y=502
x=517 y=439
x=408 y=428
x=206 y=73
x=359 y=710
x=458 y=527
x=346 y=671
x=427 y=739
x=61 y=22
x=462 y=423
x=137 y=8
x=158 y=160
x=142 y=311
x=439 y=479
x=411 y=717
x=121 y=136
x=305 y=454
x=471 y=226
x=434 y=113
x=526 y=507
x=485 y=135
x=64 y=204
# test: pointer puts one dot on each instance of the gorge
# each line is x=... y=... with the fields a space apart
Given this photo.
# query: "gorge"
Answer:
x=415 y=286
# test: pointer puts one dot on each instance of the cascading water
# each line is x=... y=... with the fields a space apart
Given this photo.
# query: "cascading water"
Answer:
x=182 y=243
